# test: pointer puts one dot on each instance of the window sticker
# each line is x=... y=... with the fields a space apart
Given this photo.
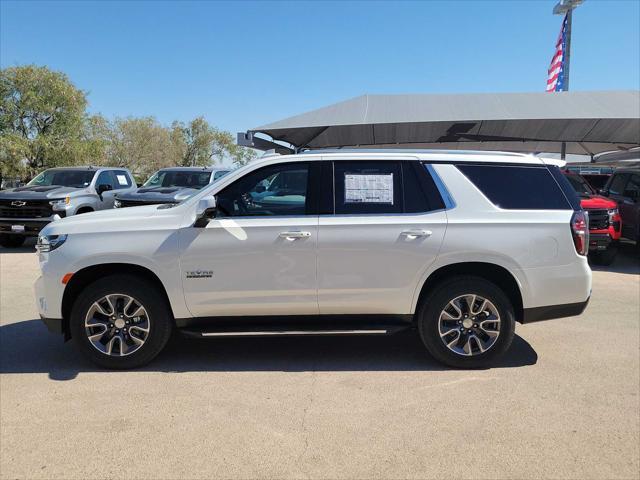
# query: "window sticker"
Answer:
x=122 y=180
x=368 y=188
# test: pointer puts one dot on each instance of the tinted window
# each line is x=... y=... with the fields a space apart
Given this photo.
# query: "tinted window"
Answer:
x=275 y=190
x=617 y=183
x=219 y=174
x=105 y=178
x=580 y=185
x=64 y=178
x=368 y=187
x=517 y=187
x=179 y=178
x=632 y=189
x=122 y=179
x=415 y=200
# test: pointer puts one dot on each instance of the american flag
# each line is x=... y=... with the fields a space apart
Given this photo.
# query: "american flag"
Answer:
x=555 y=78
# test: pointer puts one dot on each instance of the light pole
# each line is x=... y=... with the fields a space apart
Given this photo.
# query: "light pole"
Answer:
x=565 y=7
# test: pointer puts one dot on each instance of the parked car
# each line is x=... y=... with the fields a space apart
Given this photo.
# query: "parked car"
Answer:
x=605 y=225
x=596 y=180
x=170 y=185
x=64 y=192
x=624 y=188
x=456 y=245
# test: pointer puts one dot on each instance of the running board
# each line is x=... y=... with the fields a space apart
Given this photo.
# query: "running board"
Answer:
x=263 y=328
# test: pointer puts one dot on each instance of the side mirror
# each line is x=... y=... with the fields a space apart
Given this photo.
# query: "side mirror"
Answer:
x=205 y=211
x=103 y=187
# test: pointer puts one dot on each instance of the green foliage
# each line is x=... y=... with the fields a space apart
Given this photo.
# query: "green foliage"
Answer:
x=43 y=123
x=42 y=116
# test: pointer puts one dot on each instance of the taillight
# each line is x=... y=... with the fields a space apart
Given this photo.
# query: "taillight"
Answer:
x=580 y=231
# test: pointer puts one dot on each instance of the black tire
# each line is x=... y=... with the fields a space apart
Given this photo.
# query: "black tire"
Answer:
x=11 y=241
x=605 y=257
x=435 y=302
x=84 y=210
x=147 y=294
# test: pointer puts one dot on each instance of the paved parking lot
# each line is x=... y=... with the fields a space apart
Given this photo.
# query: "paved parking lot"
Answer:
x=564 y=403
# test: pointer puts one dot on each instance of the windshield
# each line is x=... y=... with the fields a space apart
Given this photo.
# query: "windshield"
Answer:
x=580 y=185
x=177 y=178
x=63 y=178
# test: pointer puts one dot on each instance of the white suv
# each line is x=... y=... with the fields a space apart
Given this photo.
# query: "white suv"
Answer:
x=457 y=245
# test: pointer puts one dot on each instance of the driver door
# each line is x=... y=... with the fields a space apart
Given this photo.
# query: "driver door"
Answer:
x=258 y=255
x=105 y=178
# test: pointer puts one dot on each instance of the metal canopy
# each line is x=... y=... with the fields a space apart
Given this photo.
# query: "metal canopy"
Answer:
x=589 y=123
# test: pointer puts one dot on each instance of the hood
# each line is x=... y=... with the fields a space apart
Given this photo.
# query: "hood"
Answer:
x=593 y=202
x=148 y=217
x=158 y=194
x=35 y=192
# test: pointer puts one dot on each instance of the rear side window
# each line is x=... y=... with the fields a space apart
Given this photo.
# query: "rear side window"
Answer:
x=517 y=187
x=122 y=179
x=368 y=187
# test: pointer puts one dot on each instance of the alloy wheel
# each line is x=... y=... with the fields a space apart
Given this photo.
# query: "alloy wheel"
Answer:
x=117 y=325
x=469 y=325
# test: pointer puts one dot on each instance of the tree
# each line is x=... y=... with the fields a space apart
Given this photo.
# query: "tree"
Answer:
x=42 y=115
x=200 y=144
x=140 y=144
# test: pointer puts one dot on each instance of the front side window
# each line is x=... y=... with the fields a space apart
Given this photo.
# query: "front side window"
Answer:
x=632 y=189
x=179 y=178
x=618 y=183
x=63 y=178
x=580 y=185
x=517 y=187
x=105 y=178
x=219 y=174
x=274 y=190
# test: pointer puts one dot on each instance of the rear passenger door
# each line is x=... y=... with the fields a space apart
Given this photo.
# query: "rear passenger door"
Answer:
x=386 y=228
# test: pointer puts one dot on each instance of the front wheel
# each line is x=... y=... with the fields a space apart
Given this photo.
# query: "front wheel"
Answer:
x=11 y=240
x=466 y=322
x=121 y=321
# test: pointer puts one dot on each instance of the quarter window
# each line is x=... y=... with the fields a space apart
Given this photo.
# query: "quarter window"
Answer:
x=274 y=190
x=517 y=187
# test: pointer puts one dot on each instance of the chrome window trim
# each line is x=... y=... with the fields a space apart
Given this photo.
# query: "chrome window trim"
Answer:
x=448 y=200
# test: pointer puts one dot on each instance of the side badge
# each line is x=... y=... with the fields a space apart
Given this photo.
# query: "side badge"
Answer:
x=199 y=274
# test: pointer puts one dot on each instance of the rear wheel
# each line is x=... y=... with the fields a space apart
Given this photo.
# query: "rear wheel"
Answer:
x=11 y=241
x=121 y=321
x=466 y=322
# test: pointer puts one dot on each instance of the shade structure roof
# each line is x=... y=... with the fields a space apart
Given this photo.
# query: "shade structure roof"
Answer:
x=588 y=122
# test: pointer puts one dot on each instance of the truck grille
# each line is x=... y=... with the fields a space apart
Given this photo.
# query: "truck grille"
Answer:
x=598 y=219
x=31 y=209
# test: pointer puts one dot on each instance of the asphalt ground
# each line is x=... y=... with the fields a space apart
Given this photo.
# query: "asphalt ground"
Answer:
x=563 y=403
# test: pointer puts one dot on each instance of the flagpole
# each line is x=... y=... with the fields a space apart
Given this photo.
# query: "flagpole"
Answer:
x=566 y=7
x=565 y=86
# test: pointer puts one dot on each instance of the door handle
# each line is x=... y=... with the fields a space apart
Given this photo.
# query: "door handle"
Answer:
x=294 y=235
x=413 y=234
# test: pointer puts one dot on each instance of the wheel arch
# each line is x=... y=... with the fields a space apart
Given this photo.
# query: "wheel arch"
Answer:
x=496 y=274
x=84 y=209
x=84 y=277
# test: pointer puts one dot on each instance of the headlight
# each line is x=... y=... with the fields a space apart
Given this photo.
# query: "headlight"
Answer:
x=60 y=203
x=48 y=243
x=117 y=204
x=612 y=213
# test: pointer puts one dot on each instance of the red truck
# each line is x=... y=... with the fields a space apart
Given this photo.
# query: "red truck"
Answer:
x=605 y=224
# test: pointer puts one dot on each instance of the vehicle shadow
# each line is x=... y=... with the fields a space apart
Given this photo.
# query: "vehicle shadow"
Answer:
x=29 y=246
x=27 y=347
x=627 y=260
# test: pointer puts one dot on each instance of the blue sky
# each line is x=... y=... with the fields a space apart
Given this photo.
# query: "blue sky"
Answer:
x=243 y=64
